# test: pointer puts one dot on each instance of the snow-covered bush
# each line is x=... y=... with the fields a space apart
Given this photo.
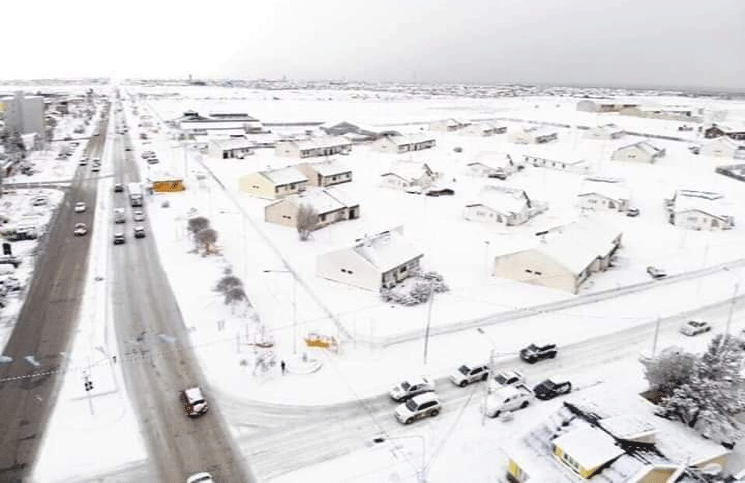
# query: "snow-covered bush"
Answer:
x=228 y=283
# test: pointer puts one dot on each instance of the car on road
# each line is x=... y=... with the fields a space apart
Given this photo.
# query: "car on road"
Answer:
x=440 y=192
x=128 y=148
x=632 y=212
x=507 y=399
x=118 y=188
x=83 y=161
x=418 y=407
x=552 y=387
x=534 y=353
x=96 y=133
x=96 y=160
x=152 y=161
x=138 y=215
x=147 y=154
x=40 y=201
x=468 y=373
x=655 y=272
x=80 y=207
x=411 y=387
x=203 y=477
x=194 y=402
x=695 y=327
x=119 y=238
x=139 y=231
x=80 y=229
x=95 y=168
x=119 y=215
x=505 y=378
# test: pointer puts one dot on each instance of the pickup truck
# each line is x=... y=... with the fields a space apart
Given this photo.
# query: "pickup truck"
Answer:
x=509 y=398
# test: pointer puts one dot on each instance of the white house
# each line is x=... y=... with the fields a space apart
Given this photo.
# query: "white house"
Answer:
x=723 y=147
x=603 y=194
x=484 y=129
x=492 y=164
x=605 y=132
x=448 y=125
x=229 y=148
x=403 y=144
x=502 y=205
x=406 y=174
x=275 y=183
x=602 y=105
x=643 y=151
x=562 y=258
x=533 y=135
x=326 y=173
x=331 y=205
x=372 y=262
x=699 y=210
x=194 y=123
x=313 y=147
x=565 y=161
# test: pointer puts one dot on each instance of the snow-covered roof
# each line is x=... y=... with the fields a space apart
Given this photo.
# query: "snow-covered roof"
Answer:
x=401 y=139
x=540 y=130
x=713 y=205
x=284 y=176
x=628 y=427
x=330 y=168
x=232 y=143
x=614 y=190
x=609 y=128
x=387 y=250
x=646 y=146
x=553 y=153
x=730 y=127
x=407 y=170
x=223 y=133
x=727 y=141
x=321 y=142
x=502 y=199
x=323 y=200
x=493 y=159
x=589 y=446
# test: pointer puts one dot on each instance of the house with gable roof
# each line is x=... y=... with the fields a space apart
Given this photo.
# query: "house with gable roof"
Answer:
x=398 y=143
x=372 y=262
x=484 y=129
x=699 y=210
x=274 y=183
x=313 y=147
x=331 y=205
x=404 y=175
x=503 y=205
x=606 y=194
x=534 y=135
x=605 y=132
x=448 y=125
x=643 y=151
x=492 y=165
x=723 y=147
x=326 y=173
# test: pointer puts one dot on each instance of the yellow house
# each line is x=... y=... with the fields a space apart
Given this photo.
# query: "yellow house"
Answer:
x=586 y=450
x=273 y=184
x=165 y=185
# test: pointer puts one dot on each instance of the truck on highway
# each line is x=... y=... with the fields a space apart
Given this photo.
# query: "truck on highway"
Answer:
x=134 y=190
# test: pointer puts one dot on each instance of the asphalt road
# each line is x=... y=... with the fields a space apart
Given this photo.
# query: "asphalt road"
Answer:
x=45 y=324
x=148 y=324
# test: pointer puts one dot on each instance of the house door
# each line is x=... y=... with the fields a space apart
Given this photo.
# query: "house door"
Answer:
x=352 y=213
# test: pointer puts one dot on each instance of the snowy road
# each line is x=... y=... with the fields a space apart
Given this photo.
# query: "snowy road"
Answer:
x=148 y=322
x=44 y=327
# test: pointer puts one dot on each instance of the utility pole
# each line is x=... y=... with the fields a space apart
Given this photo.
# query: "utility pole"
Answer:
x=429 y=320
x=294 y=314
x=732 y=307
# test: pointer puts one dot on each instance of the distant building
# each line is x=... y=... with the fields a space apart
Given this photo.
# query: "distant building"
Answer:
x=503 y=206
x=346 y=128
x=602 y=105
x=736 y=132
x=23 y=114
x=448 y=125
x=273 y=184
x=373 y=262
x=326 y=173
x=484 y=129
x=643 y=151
x=194 y=123
x=699 y=210
x=668 y=113
x=492 y=165
x=403 y=144
x=560 y=161
x=313 y=147
x=562 y=258
x=605 y=132
x=723 y=147
x=331 y=205
x=533 y=135
x=405 y=175
x=603 y=194
x=231 y=148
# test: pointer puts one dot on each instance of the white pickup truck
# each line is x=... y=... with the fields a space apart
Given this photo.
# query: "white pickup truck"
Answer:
x=508 y=398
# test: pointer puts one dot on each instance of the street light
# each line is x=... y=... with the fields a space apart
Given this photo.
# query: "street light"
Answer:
x=294 y=306
x=421 y=474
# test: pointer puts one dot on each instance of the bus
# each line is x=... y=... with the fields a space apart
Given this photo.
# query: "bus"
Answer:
x=134 y=190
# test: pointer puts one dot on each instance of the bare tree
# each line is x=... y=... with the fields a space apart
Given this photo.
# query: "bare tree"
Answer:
x=197 y=224
x=235 y=295
x=307 y=221
x=228 y=283
x=206 y=238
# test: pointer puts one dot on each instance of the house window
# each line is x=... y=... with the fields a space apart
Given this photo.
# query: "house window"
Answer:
x=529 y=271
x=539 y=273
x=691 y=218
x=349 y=272
x=403 y=269
x=322 y=217
x=287 y=217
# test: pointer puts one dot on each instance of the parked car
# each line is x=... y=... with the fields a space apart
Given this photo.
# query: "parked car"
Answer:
x=695 y=327
x=194 y=402
x=152 y=161
x=534 y=353
x=95 y=168
x=418 y=407
x=468 y=373
x=40 y=201
x=139 y=232
x=410 y=388
x=440 y=192
x=200 y=478
x=138 y=215
x=80 y=229
x=83 y=162
x=509 y=398
x=10 y=260
x=118 y=188
x=655 y=272
x=632 y=212
x=505 y=378
x=119 y=238
x=119 y=215
x=500 y=176
x=80 y=207
x=552 y=387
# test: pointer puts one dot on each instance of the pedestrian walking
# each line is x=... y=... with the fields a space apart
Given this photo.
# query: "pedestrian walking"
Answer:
x=283 y=366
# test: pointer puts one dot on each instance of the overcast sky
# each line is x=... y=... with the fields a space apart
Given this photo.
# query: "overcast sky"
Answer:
x=677 y=43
